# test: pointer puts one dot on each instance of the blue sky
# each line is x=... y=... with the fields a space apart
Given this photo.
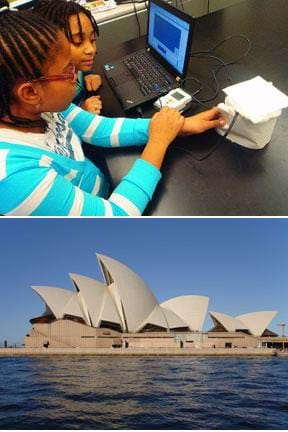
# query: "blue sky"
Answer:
x=240 y=264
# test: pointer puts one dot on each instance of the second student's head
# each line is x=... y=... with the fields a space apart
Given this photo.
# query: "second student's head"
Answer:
x=78 y=25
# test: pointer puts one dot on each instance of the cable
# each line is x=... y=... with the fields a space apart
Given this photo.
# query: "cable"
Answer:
x=137 y=19
x=197 y=91
x=176 y=5
x=214 y=74
x=201 y=102
x=239 y=36
x=192 y=79
x=139 y=111
x=206 y=54
x=219 y=59
x=214 y=147
x=215 y=71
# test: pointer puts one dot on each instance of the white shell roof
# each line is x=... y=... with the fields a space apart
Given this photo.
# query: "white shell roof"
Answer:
x=125 y=299
x=91 y=293
x=157 y=317
x=257 y=322
x=137 y=300
x=228 y=322
x=59 y=301
x=173 y=320
x=73 y=307
x=109 y=312
x=190 y=308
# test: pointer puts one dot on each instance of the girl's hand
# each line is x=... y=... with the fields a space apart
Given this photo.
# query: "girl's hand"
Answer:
x=92 y=82
x=165 y=126
x=92 y=104
x=202 y=122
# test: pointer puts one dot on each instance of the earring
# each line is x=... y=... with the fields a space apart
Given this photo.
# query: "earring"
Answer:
x=37 y=107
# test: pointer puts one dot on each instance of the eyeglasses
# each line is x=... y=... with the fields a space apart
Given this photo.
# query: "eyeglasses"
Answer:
x=61 y=77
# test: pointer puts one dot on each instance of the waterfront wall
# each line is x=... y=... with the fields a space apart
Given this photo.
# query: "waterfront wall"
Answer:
x=234 y=352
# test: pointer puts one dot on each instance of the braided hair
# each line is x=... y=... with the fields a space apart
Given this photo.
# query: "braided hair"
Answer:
x=59 y=12
x=26 y=43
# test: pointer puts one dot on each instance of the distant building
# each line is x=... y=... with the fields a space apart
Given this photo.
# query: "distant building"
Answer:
x=123 y=312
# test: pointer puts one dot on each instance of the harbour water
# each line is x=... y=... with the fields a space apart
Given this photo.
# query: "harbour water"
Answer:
x=66 y=392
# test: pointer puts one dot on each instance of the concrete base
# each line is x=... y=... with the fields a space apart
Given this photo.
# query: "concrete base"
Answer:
x=231 y=352
x=282 y=354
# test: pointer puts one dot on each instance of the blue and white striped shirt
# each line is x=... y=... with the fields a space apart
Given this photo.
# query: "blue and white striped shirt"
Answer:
x=48 y=175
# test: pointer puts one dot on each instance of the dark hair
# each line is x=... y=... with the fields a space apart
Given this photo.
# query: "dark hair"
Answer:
x=26 y=43
x=59 y=12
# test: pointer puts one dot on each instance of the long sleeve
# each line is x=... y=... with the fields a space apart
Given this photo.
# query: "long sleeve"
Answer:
x=33 y=184
x=105 y=131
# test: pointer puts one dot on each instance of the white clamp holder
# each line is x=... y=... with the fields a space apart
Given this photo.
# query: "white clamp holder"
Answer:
x=177 y=99
x=259 y=105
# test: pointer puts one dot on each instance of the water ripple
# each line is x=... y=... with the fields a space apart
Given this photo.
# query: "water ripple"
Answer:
x=143 y=393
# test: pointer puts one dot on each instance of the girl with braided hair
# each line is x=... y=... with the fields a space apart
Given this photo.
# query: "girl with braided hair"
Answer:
x=43 y=170
x=81 y=30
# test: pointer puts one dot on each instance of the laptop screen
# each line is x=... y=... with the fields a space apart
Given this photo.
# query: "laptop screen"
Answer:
x=168 y=34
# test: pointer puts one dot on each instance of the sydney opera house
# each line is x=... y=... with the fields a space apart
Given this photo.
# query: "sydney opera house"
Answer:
x=122 y=311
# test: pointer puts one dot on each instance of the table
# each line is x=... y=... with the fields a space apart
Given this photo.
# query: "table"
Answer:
x=233 y=180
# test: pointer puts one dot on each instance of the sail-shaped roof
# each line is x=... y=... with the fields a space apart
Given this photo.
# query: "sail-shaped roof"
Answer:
x=229 y=323
x=257 y=322
x=136 y=299
x=60 y=301
x=123 y=299
x=91 y=293
x=191 y=309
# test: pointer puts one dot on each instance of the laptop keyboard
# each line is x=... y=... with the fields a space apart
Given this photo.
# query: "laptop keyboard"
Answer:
x=149 y=75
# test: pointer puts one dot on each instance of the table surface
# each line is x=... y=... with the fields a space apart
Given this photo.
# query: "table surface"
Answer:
x=233 y=180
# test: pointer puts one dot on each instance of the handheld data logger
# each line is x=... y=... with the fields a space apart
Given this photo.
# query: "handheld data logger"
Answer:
x=176 y=98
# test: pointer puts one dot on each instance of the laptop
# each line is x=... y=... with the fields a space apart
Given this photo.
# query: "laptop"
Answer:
x=147 y=74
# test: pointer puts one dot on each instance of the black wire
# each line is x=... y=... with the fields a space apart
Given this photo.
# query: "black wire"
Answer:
x=139 y=111
x=201 y=102
x=221 y=139
x=219 y=59
x=239 y=36
x=137 y=18
x=214 y=74
x=193 y=95
x=216 y=145
x=177 y=5
x=196 y=92
x=215 y=71
x=192 y=79
x=206 y=54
